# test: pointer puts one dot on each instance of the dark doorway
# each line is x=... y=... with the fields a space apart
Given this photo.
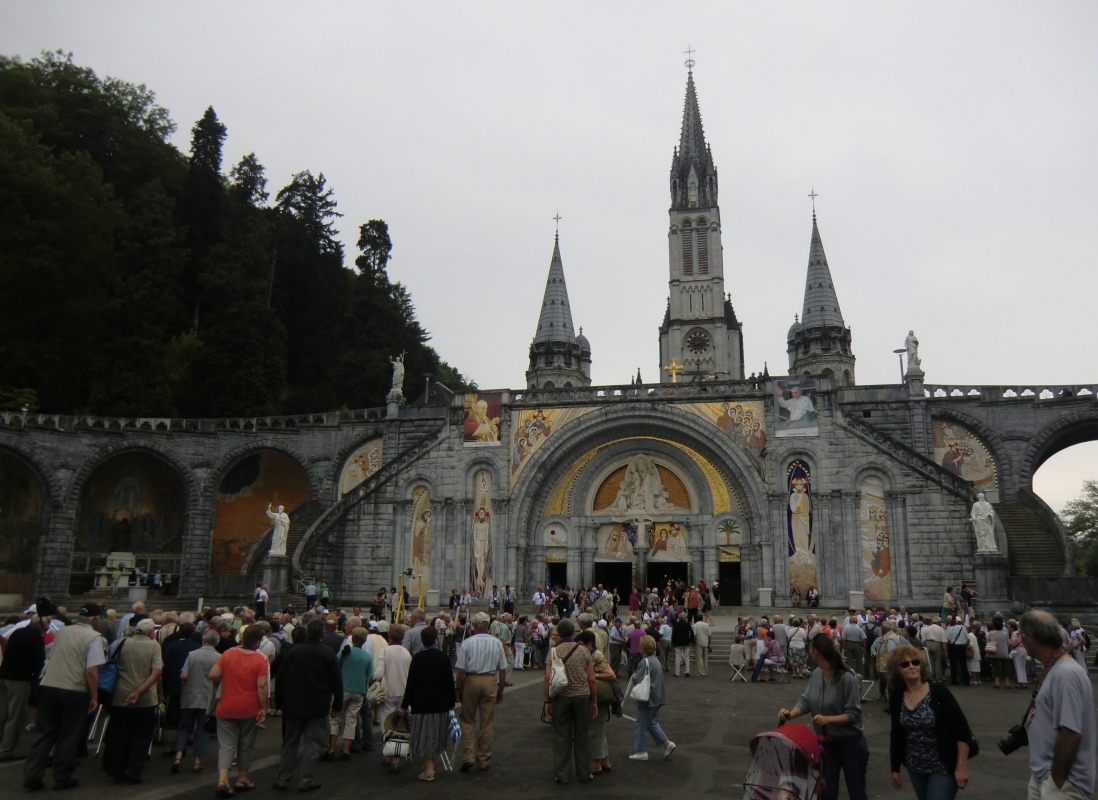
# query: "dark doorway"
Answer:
x=660 y=572
x=615 y=575
x=730 y=583
x=558 y=575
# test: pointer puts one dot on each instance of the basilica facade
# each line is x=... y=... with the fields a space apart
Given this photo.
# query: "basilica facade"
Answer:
x=769 y=484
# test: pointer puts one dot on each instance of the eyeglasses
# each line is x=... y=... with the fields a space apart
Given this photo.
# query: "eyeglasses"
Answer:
x=906 y=664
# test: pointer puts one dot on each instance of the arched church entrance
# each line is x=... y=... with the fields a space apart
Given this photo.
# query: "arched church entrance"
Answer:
x=638 y=503
x=132 y=511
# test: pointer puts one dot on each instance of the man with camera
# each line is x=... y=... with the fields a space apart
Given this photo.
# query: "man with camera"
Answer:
x=1059 y=724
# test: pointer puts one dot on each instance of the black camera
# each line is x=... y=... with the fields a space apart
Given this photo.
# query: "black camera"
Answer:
x=1016 y=737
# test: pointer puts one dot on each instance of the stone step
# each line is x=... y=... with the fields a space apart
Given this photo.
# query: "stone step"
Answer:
x=1033 y=549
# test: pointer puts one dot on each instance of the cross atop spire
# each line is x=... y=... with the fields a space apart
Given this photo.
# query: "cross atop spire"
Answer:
x=813 y=195
x=689 y=53
x=557 y=219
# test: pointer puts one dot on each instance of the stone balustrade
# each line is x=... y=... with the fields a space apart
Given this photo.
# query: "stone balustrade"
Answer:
x=535 y=398
x=1014 y=392
x=67 y=422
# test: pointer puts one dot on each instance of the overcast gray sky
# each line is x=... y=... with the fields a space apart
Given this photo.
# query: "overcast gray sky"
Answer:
x=952 y=146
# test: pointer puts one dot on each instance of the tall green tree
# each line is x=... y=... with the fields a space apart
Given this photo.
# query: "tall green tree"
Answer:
x=1081 y=520
x=201 y=207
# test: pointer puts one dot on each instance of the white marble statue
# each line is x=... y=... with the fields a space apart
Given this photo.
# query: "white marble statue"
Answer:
x=641 y=490
x=398 y=374
x=983 y=522
x=281 y=523
x=912 y=346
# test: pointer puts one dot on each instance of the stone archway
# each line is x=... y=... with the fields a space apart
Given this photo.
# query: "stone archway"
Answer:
x=581 y=439
x=24 y=519
x=245 y=487
x=133 y=502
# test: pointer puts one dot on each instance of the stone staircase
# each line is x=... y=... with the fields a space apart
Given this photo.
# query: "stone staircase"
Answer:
x=302 y=517
x=721 y=642
x=300 y=543
x=1033 y=549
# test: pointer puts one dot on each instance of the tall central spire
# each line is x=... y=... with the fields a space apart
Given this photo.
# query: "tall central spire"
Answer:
x=693 y=174
x=821 y=302
x=555 y=322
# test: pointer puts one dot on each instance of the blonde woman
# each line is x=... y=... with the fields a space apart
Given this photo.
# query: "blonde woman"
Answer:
x=929 y=731
x=646 y=711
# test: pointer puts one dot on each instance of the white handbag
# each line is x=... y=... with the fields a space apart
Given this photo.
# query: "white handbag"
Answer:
x=643 y=688
x=558 y=678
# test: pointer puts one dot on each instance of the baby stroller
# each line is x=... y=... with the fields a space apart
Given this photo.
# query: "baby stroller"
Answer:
x=785 y=765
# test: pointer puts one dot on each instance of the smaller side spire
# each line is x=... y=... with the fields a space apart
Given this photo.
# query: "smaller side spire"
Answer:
x=558 y=358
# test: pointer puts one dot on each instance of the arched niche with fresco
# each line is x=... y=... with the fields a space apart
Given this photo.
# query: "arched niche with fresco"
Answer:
x=21 y=516
x=266 y=477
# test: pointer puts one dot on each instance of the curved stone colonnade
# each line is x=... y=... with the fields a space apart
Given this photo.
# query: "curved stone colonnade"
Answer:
x=620 y=485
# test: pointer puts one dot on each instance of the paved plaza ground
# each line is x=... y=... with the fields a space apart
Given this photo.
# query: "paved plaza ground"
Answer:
x=710 y=719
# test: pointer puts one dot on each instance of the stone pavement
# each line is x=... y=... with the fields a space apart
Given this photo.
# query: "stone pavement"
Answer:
x=710 y=719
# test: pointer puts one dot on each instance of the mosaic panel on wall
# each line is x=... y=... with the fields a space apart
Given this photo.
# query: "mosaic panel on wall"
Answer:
x=20 y=523
x=132 y=503
x=253 y=483
x=667 y=542
x=801 y=539
x=532 y=429
x=677 y=494
x=615 y=542
x=361 y=464
x=482 y=416
x=480 y=558
x=961 y=452
x=744 y=421
x=873 y=525
x=795 y=407
x=421 y=531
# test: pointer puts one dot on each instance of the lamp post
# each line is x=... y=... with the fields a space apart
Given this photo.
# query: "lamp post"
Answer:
x=900 y=355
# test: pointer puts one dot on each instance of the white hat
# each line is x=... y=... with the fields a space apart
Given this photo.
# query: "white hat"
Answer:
x=602 y=623
x=32 y=609
x=145 y=625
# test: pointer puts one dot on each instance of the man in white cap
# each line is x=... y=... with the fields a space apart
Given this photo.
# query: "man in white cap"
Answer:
x=134 y=702
x=70 y=687
x=481 y=672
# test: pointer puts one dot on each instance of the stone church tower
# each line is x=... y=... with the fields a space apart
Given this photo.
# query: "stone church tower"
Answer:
x=819 y=342
x=558 y=358
x=700 y=331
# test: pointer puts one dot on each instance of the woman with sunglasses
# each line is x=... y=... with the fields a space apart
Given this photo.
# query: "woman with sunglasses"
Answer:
x=833 y=700
x=929 y=731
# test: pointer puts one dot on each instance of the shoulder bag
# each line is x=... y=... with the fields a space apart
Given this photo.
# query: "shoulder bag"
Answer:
x=642 y=689
x=108 y=673
x=558 y=677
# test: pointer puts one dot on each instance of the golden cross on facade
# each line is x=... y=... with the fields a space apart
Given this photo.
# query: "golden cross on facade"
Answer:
x=674 y=368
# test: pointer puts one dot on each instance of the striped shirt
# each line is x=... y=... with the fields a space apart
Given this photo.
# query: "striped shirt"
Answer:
x=481 y=655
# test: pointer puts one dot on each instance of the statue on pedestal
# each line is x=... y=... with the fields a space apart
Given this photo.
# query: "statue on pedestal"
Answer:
x=911 y=344
x=983 y=522
x=281 y=521
x=398 y=376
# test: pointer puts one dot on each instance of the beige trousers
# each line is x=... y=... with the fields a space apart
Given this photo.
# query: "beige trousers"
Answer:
x=478 y=695
x=1046 y=790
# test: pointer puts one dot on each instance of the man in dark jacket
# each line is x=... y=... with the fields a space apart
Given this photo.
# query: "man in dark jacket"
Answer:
x=175 y=656
x=309 y=687
x=23 y=659
x=682 y=639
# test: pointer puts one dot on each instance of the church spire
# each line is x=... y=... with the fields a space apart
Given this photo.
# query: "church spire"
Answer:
x=558 y=357
x=821 y=303
x=819 y=343
x=555 y=322
x=693 y=175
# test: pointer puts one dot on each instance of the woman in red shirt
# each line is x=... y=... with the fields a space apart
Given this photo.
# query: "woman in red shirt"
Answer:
x=242 y=673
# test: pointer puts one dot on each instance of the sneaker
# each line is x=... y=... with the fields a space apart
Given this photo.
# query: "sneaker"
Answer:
x=668 y=749
x=639 y=757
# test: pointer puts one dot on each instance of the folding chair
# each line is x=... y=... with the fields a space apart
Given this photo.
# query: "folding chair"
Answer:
x=868 y=684
x=780 y=673
x=738 y=664
x=97 y=731
x=448 y=759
